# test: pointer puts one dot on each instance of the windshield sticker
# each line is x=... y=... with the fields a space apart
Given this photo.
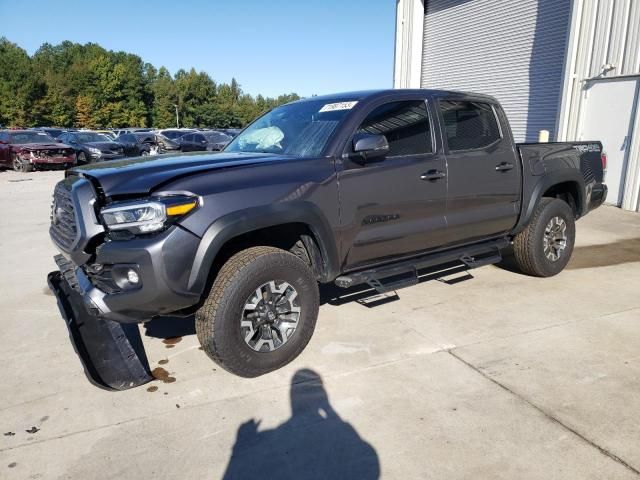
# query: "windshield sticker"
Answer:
x=330 y=107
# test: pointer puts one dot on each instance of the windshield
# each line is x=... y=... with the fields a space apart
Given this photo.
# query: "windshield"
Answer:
x=31 y=137
x=91 y=137
x=301 y=129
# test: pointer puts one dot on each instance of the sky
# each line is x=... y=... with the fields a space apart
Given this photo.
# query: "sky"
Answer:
x=270 y=46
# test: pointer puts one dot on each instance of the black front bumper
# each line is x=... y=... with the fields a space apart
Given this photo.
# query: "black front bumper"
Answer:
x=111 y=353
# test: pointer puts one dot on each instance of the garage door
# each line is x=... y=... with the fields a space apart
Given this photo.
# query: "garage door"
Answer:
x=511 y=49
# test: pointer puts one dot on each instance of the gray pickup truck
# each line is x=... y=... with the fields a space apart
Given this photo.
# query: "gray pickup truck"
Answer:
x=351 y=189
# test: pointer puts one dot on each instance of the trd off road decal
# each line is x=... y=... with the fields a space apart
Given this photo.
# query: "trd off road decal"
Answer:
x=589 y=147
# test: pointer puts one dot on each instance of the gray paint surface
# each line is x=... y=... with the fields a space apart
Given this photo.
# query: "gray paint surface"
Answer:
x=513 y=50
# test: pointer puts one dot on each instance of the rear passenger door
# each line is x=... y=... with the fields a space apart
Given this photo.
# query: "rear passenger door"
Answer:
x=484 y=173
x=393 y=206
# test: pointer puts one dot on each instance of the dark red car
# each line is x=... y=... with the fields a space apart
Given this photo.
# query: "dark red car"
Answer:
x=28 y=150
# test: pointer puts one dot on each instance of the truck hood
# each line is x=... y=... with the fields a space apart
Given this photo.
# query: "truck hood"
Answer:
x=142 y=175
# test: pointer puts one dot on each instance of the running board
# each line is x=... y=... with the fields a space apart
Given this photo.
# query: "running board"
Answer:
x=405 y=273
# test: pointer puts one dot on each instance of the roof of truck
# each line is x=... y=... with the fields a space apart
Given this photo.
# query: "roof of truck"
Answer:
x=371 y=94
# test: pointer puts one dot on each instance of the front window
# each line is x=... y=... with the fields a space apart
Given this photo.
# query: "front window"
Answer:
x=405 y=125
x=88 y=137
x=31 y=137
x=300 y=129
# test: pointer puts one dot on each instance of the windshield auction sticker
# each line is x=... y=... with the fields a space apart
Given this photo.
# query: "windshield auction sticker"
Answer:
x=330 y=107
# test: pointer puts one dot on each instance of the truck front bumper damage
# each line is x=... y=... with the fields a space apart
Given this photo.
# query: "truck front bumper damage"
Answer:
x=111 y=352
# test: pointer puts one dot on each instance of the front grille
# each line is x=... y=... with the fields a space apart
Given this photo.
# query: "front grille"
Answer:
x=63 y=228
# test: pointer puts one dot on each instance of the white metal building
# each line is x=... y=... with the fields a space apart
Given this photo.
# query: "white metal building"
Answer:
x=571 y=67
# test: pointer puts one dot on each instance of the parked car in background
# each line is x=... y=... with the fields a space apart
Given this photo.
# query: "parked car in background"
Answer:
x=173 y=133
x=137 y=144
x=53 y=132
x=92 y=147
x=232 y=132
x=211 y=141
x=28 y=150
x=107 y=133
x=166 y=145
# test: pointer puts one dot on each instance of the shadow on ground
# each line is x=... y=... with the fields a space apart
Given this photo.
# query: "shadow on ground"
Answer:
x=315 y=443
x=589 y=256
x=170 y=327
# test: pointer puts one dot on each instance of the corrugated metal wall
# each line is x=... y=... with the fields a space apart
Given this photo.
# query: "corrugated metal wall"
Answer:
x=511 y=49
x=604 y=32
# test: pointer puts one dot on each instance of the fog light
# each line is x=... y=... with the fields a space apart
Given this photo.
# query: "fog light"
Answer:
x=133 y=276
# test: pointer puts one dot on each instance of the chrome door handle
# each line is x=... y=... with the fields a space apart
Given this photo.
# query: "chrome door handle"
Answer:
x=504 y=166
x=433 y=175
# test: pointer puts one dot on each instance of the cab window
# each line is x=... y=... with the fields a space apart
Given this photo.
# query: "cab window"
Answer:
x=469 y=125
x=405 y=125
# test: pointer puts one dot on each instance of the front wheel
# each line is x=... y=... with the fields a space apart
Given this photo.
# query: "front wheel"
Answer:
x=81 y=158
x=260 y=313
x=544 y=247
x=20 y=165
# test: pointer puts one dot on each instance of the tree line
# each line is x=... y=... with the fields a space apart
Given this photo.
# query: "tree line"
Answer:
x=74 y=85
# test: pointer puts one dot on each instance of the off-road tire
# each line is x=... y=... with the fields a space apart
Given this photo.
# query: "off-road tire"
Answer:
x=528 y=245
x=218 y=320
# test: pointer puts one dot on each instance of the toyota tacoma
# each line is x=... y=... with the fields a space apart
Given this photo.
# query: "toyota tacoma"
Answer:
x=361 y=188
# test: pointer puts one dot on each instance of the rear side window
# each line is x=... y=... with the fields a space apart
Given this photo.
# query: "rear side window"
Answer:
x=469 y=125
x=405 y=125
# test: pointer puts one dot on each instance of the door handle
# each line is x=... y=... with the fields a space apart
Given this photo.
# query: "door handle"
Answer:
x=433 y=175
x=504 y=166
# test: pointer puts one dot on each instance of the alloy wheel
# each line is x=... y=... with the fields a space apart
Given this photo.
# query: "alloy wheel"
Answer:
x=555 y=238
x=270 y=316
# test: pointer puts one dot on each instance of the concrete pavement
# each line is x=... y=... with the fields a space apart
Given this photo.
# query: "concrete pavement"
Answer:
x=498 y=376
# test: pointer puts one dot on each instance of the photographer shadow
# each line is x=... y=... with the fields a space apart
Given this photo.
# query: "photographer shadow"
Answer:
x=315 y=443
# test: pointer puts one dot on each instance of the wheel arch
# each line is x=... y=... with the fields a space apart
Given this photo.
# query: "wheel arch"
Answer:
x=273 y=225
x=566 y=185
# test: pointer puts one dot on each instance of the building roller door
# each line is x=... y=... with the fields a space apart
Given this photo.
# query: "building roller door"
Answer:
x=511 y=49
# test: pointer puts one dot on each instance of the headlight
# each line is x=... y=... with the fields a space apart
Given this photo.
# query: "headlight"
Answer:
x=95 y=151
x=148 y=215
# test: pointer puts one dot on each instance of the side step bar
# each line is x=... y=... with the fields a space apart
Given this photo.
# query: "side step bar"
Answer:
x=405 y=273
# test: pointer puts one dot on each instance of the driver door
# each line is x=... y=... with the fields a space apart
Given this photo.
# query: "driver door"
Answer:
x=394 y=206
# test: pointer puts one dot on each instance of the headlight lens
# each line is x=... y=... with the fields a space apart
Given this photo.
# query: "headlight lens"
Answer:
x=149 y=215
x=95 y=151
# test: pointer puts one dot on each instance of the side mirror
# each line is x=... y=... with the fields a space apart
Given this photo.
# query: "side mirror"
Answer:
x=368 y=147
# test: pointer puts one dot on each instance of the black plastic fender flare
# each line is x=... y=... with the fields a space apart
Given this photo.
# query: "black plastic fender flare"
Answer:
x=544 y=183
x=229 y=226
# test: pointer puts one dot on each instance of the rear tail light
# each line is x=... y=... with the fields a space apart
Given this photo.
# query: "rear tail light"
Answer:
x=603 y=158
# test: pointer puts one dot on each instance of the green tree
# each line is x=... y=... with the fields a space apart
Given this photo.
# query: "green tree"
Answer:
x=88 y=86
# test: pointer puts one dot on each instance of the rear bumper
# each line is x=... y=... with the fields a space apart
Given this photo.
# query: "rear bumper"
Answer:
x=598 y=196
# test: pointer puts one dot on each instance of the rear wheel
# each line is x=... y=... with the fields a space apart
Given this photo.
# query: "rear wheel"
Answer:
x=260 y=313
x=544 y=248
